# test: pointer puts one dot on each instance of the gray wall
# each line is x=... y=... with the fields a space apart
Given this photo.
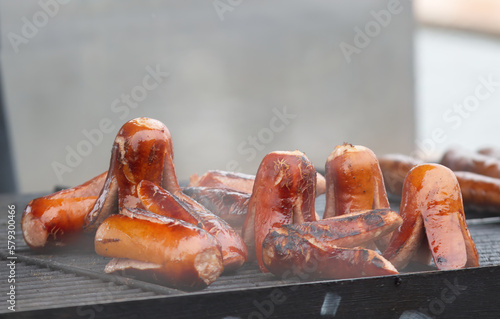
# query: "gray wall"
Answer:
x=230 y=73
x=458 y=90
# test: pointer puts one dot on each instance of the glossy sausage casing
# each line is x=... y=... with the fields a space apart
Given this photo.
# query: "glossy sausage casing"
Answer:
x=140 y=151
x=239 y=182
x=284 y=193
x=459 y=159
x=229 y=205
x=286 y=255
x=180 y=206
x=394 y=168
x=432 y=192
x=406 y=241
x=479 y=192
x=348 y=230
x=57 y=219
x=179 y=254
x=354 y=181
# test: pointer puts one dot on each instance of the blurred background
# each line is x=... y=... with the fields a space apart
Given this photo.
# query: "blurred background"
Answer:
x=235 y=79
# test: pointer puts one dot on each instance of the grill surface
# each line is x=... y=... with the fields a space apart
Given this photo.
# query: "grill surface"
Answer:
x=76 y=278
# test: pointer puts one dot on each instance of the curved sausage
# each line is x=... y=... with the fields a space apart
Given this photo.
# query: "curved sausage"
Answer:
x=229 y=205
x=444 y=218
x=346 y=231
x=284 y=193
x=57 y=219
x=55 y=222
x=354 y=181
x=320 y=184
x=459 y=159
x=139 y=152
x=409 y=237
x=159 y=249
x=432 y=192
x=289 y=254
x=238 y=181
x=479 y=192
x=163 y=202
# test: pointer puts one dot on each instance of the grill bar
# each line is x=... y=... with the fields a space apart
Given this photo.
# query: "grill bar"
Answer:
x=120 y=280
x=73 y=282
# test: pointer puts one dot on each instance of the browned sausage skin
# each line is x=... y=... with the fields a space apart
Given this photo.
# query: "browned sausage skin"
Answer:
x=348 y=230
x=288 y=254
x=320 y=184
x=479 y=192
x=139 y=152
x=160 y=249
x=221 y=179
x=407 y=240
x=432 y=192
x=163 y=202
x=229 y=205
x=394 y=169
x=354 y=181
x=327 y=248
x=283 y=193
x=239 y=182
x=459 y=159
x=57 y=219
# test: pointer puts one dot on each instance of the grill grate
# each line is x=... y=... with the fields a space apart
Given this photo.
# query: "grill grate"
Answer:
x=41 y=287
x=77 y=279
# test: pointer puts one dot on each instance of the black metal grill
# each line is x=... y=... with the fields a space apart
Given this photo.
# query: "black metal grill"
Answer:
x=76 y=283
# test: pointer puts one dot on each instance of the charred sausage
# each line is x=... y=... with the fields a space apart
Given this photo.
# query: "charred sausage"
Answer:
x=284 y=193
x=288 y=254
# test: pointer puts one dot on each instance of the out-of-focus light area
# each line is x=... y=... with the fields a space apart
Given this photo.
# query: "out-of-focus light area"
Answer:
x=457 y=73
x=234 y=80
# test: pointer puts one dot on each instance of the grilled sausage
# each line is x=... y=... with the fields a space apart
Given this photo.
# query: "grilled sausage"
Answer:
x=140 y=150
x=444 y=218
x=284 y=193
x=354 y=181
x=479 y=192
x=229 y=205
x=162 y=202
x=239 y=182
x=320 y=184
x=159 y=249
x=348 y=230
x=289 y=254
x=394 y=169
x=221 y=179
x=459 y=159
x=57 y=219
x=409 y=237
x=432 y=191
